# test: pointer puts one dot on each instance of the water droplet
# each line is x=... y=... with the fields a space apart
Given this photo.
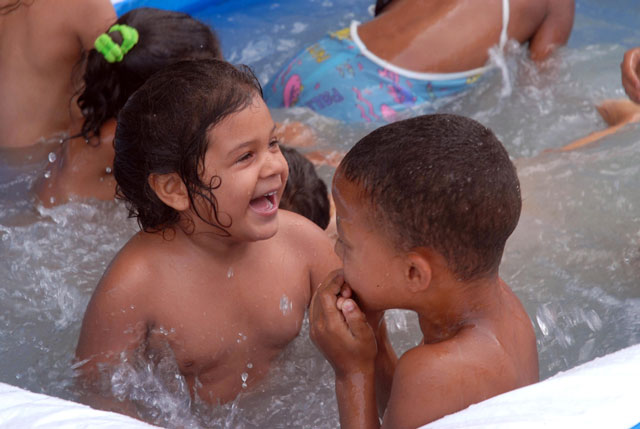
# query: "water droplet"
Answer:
x=52 y=200
x=285 y=305
x=230 y=273
x=108 y=170
x=52 y=157
x=47 y=174
x=249 y=365
x=244 y=376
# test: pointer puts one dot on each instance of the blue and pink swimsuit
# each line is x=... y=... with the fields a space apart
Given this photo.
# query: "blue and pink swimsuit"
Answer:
x=340 y=78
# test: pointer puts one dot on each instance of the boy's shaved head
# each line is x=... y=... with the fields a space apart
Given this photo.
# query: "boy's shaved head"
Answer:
x=440 y=181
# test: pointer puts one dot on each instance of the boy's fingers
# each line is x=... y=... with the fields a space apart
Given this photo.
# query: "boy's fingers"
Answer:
x=333 y=283
x=356 y=319
x=345 y=291
x=324 y=313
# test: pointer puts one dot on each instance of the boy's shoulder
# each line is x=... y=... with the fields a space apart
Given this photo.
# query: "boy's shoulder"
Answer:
x=473 y=365
x=451 y=368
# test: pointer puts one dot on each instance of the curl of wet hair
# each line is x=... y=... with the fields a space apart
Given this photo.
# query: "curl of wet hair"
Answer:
x=305 y=193
x=166 y=37
x=439 y=181
x=163 y=128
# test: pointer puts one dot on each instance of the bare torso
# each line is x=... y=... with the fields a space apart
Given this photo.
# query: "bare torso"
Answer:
x=40 y=44
x=455 y=35
x=221 y=318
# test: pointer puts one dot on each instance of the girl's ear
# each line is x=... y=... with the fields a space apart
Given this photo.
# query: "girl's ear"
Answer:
x=170 y=189
x=418 y=271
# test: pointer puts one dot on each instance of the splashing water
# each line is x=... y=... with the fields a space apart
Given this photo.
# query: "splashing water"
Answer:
x=286 y=306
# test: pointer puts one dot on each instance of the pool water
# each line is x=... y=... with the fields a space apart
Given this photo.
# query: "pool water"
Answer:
x=574 y=259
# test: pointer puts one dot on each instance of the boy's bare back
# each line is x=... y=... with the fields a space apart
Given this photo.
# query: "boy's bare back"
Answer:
x=221 y=317
x=459 y=33
x=41 y=41
x=487 y=356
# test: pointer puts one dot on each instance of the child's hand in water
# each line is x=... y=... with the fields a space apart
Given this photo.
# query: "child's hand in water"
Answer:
x=631 y=74
x=340 y=330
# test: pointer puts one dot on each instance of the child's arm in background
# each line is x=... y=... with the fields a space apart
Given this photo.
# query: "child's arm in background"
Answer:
x=616 y=113
x=296 y=134
x=631 y=74
x=555 y=29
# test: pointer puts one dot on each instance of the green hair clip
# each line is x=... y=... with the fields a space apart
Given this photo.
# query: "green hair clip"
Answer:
x=113 y=52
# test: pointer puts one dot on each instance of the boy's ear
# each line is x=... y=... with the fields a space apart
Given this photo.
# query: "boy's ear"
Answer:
x=170 y=189
x=418 y=270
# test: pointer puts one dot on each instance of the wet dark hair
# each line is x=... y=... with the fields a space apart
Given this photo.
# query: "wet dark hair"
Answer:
x=165 y=37
x=380 y=6
x=305 y=192
x=440 y=181
x=164 y=128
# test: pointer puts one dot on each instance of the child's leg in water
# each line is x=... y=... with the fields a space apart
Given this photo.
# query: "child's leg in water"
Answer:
x=617 y=114
x=295 y=134
x=322 y=157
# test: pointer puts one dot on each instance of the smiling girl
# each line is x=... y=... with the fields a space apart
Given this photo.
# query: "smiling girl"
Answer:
x=217 y=273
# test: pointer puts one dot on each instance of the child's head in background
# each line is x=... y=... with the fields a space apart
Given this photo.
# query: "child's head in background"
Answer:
x=305 y=193
x=163 y=37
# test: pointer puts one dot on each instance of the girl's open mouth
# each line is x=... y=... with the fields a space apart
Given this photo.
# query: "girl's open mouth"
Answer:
x=265 y=204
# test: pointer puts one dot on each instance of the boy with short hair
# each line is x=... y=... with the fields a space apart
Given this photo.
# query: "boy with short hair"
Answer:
x=424 y=208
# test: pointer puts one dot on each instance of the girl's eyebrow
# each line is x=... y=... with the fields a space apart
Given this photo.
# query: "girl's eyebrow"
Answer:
x=243 y=145
x=240 y=147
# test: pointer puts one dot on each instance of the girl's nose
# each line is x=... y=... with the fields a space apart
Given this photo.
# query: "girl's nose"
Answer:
x=274 y=164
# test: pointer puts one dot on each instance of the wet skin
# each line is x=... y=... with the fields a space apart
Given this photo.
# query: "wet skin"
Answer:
x=478 y=340
x=455 y=35
x=215 y=300
x=41 y=42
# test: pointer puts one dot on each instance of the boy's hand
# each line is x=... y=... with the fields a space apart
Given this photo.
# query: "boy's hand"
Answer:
x=631 y=74
x=341 y=331
x=374 y=318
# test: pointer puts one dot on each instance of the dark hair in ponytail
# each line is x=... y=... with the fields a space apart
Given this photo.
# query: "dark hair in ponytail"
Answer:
x=165 y=37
